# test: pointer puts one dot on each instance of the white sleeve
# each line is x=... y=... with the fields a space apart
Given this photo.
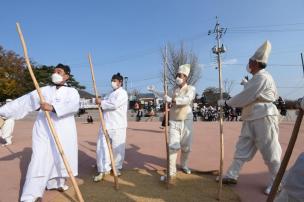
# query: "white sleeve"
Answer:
x=187 y=98
x=251 y=92
x=69 y=105
x=114 y=102
x=20 y=107
x=170 y=92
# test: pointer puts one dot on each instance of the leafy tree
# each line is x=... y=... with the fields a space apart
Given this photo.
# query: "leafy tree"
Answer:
x=43 y=75
x=212 y=94
x=15 y=79
x=11 y=74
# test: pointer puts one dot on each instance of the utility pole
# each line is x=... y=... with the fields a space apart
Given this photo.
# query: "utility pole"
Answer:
x=218 y=49
x=126 y=83
x=302 y=62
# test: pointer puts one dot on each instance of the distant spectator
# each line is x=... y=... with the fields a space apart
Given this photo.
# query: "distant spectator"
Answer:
x=233 y=114
x=90 y=119
x=151 y=113
x=194 y=111
x=139 y=113
x=136 y=106
x=282 y=106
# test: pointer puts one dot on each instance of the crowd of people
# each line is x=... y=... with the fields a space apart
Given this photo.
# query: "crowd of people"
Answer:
x=211 y=113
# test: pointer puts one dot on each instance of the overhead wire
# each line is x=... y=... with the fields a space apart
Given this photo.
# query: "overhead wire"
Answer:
x=241 y=30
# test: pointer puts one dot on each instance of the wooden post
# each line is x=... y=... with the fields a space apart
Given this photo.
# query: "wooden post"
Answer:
x=103 y=126
x=166 y=117
x=219 y=50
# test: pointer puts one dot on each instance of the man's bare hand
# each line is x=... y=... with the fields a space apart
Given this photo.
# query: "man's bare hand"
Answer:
x=97 y=101
x=46 y=107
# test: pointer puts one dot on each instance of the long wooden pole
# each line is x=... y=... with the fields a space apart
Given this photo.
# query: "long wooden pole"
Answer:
x=47 y=115
x=103 y=126
x=221 y=115
x=166 y=117
x=286 y=158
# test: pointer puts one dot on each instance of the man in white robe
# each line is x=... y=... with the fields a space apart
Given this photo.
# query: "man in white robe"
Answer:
x=181 y=121
x=292 y=189
x=6 y=131
x=260 y=119
x=46 y=169
x=293 y=183
x=114 y=108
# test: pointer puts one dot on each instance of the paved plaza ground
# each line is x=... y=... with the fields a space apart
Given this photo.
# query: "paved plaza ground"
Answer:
x=145 y=150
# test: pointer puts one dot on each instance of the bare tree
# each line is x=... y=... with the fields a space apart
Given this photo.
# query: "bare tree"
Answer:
x=135 y=92
x=228 y=86
x=177 y=57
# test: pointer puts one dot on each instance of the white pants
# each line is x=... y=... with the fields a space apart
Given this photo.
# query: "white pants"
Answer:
x=118 y=141
x=37 y=179
x=34 y=187
x=180 y=137
x=260 y=134
x=7 y=129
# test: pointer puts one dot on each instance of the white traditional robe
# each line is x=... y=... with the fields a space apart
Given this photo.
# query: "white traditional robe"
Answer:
x=260 y=124
x=293 y=183
x=115 y=108
x=181 y=126
x=46 y=162
x=257 y=97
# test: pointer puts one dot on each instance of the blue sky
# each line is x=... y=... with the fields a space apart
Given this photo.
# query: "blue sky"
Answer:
x=126 y=36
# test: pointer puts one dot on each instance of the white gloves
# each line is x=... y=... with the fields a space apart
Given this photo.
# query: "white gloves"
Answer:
x=167 y=99
x=244 y=81
x=221 y=103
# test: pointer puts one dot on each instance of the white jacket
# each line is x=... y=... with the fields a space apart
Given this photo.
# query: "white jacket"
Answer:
x=257 y=97
x=182 y=109
x=115 y=108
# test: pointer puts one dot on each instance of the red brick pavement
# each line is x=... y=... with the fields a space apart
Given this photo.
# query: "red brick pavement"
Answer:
x=145 y=149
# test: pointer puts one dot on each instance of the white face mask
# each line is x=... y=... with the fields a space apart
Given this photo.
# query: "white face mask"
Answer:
x=179 y=81
x=114 y=85
x=248 y=69
x=56 y=78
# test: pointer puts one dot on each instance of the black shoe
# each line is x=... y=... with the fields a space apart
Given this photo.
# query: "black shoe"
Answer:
x=227 y=180
x=186 y=170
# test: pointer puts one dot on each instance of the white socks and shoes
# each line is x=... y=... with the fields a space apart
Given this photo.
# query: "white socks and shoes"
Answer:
x=186 y=170
x=100 y=176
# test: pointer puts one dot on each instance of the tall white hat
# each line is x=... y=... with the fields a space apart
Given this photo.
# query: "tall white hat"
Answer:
x=184 y=69
x=262 y=53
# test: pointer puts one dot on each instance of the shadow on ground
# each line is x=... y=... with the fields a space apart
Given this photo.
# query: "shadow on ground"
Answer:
x=24 y=156
x=146 y=130
x=144 y=185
